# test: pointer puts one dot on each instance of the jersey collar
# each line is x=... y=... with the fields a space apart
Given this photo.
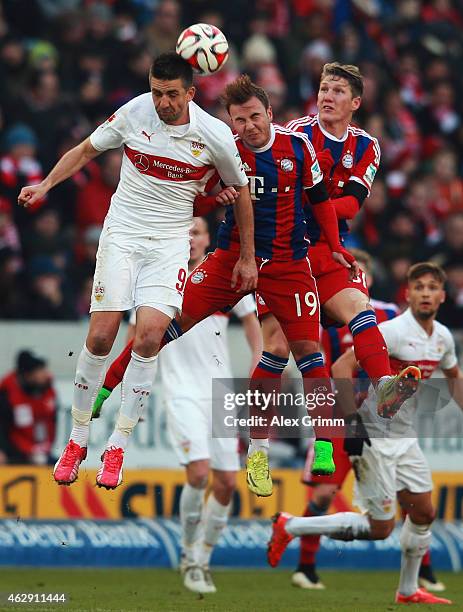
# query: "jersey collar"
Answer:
x=193 y=122
x=328 y=135
x=267 y=146
x=408 y=313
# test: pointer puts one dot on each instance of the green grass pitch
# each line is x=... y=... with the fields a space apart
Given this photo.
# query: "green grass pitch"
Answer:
x=151 y=590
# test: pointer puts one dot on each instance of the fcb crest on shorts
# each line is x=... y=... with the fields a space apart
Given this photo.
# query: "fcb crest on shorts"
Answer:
x=197 y=148
x=198 y=276
x=99 y=291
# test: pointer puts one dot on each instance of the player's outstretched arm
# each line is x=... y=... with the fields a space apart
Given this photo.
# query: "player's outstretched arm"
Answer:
x=69 y=164
x=245 y=268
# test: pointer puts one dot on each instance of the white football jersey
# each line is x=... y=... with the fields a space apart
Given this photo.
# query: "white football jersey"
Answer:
x=409 y=344
x=188 y=365
x=165 y=167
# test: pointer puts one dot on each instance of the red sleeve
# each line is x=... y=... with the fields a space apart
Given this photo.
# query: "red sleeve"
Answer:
x=312 y=173
x=366 y=168
x=346 y=207
x=203 y=205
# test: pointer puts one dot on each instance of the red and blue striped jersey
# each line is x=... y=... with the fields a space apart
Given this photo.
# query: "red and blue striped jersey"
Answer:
x=337 y=340
x=278 y=174
x=356 y=158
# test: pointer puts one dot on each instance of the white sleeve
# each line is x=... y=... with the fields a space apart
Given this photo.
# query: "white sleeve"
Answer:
x=227 y=159
x=110 y=134
x=449 y=358
x=244 y=307
x=391 y=337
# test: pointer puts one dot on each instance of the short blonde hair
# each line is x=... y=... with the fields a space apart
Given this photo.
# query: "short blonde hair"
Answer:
x=364 y=259
x=345 y=71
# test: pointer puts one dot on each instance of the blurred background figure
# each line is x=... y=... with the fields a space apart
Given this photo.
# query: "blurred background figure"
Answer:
x=27 y=412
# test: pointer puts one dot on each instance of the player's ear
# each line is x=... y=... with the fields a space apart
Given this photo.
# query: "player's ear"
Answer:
x=407 y=295
x=356 y=103
x=443 y=297
x=190 y=93
x=270 y=113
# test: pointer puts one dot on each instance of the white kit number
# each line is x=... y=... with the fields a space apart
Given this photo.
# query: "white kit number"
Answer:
x=310 y=300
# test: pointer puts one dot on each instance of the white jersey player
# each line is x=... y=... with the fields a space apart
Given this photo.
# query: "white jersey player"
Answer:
x=171 y=148
x=187 y=368
x=393 y=467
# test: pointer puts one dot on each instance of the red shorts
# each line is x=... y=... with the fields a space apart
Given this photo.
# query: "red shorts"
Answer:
x=330 y=277
x=341 y=460
x=288 y=288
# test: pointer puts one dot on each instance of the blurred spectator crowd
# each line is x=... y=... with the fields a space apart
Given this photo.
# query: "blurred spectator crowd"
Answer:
x=71 y=63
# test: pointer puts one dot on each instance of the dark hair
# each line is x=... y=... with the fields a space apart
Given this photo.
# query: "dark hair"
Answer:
x=170 y=66
x=426 y=267
x=241 y=90
x=345 y=71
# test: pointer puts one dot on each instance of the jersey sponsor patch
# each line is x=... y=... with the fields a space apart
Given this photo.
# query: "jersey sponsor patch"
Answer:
x=165 y=168
x=316 y=172
x=370 y=174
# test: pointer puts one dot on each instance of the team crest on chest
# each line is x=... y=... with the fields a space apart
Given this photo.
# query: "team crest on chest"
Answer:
x=197 y=148
x=198 y=277
x=286 y=165
x=347 y=160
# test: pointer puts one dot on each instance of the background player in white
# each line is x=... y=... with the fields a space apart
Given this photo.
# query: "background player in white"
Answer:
x=171 y=149
x=393 y=465
x=187 y=368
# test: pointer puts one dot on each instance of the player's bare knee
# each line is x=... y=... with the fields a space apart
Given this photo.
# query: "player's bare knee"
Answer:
x=223 y=486
x=380 y=530
x=197 y=474
x=100 y=341
x=422 y=516
x=301 y=348
x=148 y=339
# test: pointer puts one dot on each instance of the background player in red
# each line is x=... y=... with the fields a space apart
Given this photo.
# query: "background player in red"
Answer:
x=349 y=158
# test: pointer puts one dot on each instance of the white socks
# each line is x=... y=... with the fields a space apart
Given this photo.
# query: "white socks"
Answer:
x=136 y=388
x=215 y=517
x=191 y=505
x=414 y=541
x=201 y=524
x=89 y=377
x=340 y=526
x=257 y=444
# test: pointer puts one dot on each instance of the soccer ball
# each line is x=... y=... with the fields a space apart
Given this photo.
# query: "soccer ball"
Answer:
x=204 y=47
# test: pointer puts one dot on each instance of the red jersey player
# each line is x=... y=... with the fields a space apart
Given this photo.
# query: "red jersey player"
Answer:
x=349 y=158
x=280 y=165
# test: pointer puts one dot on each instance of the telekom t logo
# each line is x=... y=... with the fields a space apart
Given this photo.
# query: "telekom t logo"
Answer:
x=256 y=186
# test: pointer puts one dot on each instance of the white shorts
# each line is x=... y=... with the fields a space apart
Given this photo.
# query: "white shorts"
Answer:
x=133 y=270
x=381 y=473
x=190 y=430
